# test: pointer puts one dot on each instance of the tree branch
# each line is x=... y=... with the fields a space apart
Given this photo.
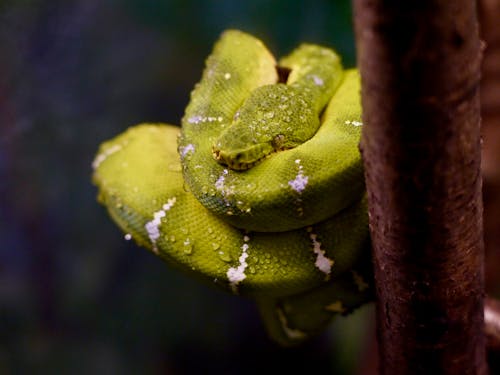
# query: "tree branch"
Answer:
x=489 y=13
x=420 y=68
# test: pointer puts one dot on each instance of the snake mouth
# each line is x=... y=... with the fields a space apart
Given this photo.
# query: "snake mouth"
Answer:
x=248 y=158
x=234 y=161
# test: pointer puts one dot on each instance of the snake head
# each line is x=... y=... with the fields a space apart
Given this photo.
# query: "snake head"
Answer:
x=273 y=118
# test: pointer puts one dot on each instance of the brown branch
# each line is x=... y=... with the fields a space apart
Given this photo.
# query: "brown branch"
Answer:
x=420 y=64
x=489 y=14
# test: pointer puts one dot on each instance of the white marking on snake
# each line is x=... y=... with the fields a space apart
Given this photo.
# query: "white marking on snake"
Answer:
x=199 y=118
x=189 y=148
x=293 y=334
x=219 y=184
x=300 y=182
x=225 y=190
x=153 y=226
x=323 y=263
x=105 y=154
x=317 y=80
x=237 y=274
x=195 y=119
x=127 y=237
x=353 y=123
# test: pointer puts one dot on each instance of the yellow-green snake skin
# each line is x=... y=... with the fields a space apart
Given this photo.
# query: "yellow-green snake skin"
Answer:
x=261 y=192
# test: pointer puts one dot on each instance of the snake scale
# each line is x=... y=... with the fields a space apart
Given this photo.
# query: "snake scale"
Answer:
x=261 y=191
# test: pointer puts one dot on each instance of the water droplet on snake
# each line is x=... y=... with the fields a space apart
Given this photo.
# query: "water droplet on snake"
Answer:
x=225 y=257
x=188 y=249
x=187 y=246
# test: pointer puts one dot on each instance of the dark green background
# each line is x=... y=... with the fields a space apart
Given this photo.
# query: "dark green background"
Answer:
x=74 y=296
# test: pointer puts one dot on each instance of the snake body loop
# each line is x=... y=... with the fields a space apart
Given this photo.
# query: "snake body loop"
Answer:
x=290 y=189
x=279 y=213
x=277 y=116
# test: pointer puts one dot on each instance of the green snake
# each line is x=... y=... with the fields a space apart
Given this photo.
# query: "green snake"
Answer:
x=261 y=191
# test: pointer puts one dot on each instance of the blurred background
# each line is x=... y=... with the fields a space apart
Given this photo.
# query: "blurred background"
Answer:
x=75 y=297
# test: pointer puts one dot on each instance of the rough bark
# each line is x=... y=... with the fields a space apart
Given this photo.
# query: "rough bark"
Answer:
x=489 y=15
x=420 y=67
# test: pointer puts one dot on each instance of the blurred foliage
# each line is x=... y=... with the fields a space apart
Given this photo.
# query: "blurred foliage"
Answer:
x=74 y=296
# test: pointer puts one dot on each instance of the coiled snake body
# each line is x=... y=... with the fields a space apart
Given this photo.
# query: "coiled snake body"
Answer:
x=261 y=191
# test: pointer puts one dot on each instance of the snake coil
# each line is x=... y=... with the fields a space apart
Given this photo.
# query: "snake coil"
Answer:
x=261 y=191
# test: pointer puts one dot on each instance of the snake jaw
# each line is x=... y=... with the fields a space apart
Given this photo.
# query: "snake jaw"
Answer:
x=245 y=159
x=234 y=160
